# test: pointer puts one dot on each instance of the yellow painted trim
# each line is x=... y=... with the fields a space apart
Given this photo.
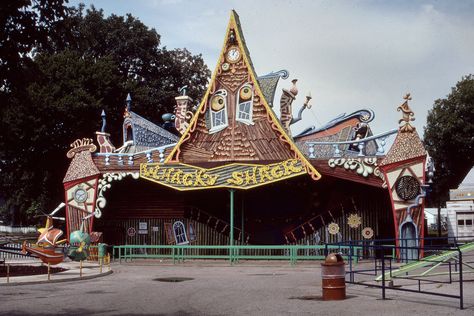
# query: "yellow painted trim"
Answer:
x=233 y=24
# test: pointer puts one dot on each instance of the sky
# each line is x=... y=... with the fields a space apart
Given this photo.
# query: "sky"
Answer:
x=349 y=54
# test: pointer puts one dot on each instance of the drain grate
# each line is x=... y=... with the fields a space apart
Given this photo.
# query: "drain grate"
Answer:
x=173 y=279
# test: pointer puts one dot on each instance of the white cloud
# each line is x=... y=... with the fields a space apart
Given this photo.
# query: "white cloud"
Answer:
x=349 y=54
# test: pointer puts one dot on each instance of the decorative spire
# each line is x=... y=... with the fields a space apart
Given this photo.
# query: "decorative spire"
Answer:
x=408 y=116
x=128 y=101
x=104 y=122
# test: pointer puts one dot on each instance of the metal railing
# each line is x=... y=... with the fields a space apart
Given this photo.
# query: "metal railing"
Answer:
x=18 y=229
x=380 y=140
x=180 y=253
x=124 y=158
x=440 y=262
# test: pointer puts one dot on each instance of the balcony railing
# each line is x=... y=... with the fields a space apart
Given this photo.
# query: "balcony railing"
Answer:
x=124 y=158
x=360 y=144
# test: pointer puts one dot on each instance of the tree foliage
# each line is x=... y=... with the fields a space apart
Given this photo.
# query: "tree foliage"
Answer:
x=77 y=65
x=449 y=137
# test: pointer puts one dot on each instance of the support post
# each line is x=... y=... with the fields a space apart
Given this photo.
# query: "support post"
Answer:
x=383 y=274
x=439 y=220
x=80 y=269
x=461 y=285
x=242 y=226
x=231 y=235
x=49 y=271
x=8 y=273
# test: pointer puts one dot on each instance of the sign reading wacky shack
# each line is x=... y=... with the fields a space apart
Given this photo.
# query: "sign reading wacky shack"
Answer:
x=237 y=176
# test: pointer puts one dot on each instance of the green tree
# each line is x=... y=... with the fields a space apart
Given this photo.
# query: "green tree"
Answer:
x=89 y=63
x=449 y=138
x=24 y=26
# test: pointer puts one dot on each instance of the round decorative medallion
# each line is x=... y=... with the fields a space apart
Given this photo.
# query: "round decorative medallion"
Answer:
x=367 y=233
x=333 y=228
x=407 y=187
x=225 y=66
x=354 y=221
x=245 y=93
x=217 y=103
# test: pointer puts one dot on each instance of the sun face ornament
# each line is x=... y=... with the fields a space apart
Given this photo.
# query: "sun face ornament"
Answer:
x=333 y=228
x=354 y=221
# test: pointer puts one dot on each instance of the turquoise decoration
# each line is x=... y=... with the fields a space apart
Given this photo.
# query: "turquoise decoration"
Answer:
x=80 y=242
x=102 y=250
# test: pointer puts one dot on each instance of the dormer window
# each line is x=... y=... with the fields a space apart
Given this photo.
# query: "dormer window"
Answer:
x=218 y=108
x=245 y=104
x=129 y=133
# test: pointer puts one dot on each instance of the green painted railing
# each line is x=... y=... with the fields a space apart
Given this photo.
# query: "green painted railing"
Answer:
x=179 y=253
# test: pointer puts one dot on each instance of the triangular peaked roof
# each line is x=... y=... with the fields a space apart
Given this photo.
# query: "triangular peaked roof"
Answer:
x=234 y=122
x=406 y=146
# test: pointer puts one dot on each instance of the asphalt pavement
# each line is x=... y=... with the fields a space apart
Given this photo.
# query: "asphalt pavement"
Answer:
x=215 y=288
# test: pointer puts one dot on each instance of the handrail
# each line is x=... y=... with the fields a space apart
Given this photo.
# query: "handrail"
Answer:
x=359 y=142
x=178 y=253
x=148 y=153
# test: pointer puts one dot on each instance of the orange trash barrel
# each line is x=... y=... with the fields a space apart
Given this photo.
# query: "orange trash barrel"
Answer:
x=333 y=273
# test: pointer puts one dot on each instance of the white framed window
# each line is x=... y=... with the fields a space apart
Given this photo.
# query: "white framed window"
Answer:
x=245 y=104
x=179 y=232
x=218 y=110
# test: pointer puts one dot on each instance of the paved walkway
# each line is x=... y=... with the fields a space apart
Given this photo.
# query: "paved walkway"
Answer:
x=215 y=288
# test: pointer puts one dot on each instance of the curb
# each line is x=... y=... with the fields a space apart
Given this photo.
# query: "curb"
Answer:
x=59 y=280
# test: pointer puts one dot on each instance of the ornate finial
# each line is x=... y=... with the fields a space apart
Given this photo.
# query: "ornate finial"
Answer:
x=232 y=36
x=408 y=116
x=128 y=101
x=308 y=98
x=182 y=90
x=104 y=122
x=80 y=145
x=294 y=89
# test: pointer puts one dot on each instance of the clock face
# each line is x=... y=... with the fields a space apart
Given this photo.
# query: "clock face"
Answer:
x=407 y=188
x=233 y=54
x=80 y=195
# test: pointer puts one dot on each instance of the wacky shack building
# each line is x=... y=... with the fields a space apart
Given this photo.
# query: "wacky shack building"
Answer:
x=233 y=173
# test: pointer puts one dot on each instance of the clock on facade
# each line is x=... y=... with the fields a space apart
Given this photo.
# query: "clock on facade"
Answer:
x=233 y=54
x=80 y=195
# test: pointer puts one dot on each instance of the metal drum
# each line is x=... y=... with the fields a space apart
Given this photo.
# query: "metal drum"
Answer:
x=333 y=273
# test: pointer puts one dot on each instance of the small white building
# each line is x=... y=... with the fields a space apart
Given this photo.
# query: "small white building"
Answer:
x=431 y=216
x=461 y=209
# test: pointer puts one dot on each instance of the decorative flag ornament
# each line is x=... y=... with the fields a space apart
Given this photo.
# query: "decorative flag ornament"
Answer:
x=354 y=221
x=333 y=228
x=367 y=233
